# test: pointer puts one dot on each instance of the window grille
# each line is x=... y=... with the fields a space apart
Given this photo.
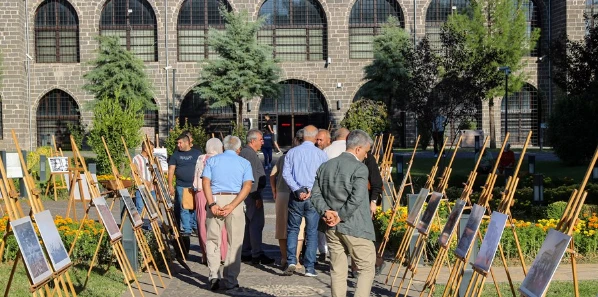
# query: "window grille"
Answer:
x=591 y=10
x=437 y=14
x=195 y=20
x=296 y=29
x=56 y=33
x=523 y=115
x=194 y=109
x=56 y=110
x=532 y=21
x=137 y=30
x=365 y=22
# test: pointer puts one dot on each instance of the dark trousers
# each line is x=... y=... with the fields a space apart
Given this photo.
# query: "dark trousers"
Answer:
x=267 y=156
x=438 y=138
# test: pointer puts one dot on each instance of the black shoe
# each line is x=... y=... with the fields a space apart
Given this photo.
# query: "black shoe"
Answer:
x=322 y=258
x=246 y=258
x=263 y=259
x=214 y=284
x=186 y=245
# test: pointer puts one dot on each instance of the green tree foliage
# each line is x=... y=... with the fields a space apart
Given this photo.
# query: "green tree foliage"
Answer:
x=118 y=70
x=245 y=68
x=367 y=115
x=200 y=137
x=388 y=73
x=572 y=124
x=491 y=34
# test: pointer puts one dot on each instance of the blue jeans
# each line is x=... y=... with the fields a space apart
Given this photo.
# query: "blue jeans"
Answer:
x=139 y=201
x=298 y=210
x=267 y=156
x=182 y=216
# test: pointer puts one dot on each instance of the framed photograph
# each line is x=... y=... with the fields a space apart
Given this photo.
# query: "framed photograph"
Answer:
x=491 y=240
x=163 y=189
x=417 y=207
x=59 y=257
x=13 y=166
x=424 y=223
x=148 y=201
x=31 y=250
x=451 y=223
x=59 y=164
x=131 y=208
x=547 y=261
x=107 y=218
x=162 y=155
x=471 y=228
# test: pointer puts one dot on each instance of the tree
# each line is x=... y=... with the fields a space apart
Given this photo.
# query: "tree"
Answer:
x=118 y=70
x=388 y=73
x=367 y=115
x=245 y=68
x=493 y=34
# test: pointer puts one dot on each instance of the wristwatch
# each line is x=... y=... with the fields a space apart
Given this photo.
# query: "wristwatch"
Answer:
x=211 y=204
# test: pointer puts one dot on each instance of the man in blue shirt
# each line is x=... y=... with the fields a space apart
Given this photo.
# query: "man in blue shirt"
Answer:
x=299 y=172
x=226 y=180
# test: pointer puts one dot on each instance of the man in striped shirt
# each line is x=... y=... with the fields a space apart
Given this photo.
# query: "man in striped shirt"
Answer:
x=141 y=162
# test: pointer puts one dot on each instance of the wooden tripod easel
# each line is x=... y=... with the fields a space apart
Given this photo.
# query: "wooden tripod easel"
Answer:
x=148 y=258
x=476 y=284
x=116 y=243
x=150 y=207
x=403 y=247
x=78 y=184
x=377 y=147
x=60 y=275
x=567 y=224
x=56 y=152
x=164 y=198
x=423 y=236
x=397 y=198
x=449 y=230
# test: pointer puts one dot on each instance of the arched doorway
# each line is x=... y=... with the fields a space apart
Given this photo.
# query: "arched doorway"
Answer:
x=522 y=115
x=195 y=110
x=56 y=111
x=298 y=104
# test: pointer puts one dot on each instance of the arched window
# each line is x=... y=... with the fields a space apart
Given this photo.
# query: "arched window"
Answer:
x=56 y=32
x=56 y=111
x=298 y=104
x=522 y=115
x=437 y=14
x=195 y=19
x=134 y=22
x=296 y=29
x=365 y=22
x=195 y=110
x=151 y=121
x=532 y=22
x=590 y=11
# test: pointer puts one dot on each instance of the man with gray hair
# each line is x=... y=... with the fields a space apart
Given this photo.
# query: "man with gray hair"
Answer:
x=342 y=200
x=226 y=181
x=254 y=215
x=299 y=172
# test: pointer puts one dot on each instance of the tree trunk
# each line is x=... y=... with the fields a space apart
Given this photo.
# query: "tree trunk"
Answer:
x=240 y=112
x=492 y=126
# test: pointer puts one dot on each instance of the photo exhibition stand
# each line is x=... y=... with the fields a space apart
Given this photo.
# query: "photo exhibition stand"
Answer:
x=57 y=180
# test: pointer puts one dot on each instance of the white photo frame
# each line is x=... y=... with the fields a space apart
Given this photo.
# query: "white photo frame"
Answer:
x=59 y=164
x=134 y=215
x=59 y=257
x=483 y=261
x=13 y=166
x=31 y=250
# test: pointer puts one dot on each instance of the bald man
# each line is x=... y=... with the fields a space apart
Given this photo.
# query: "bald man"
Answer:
x=339 y=145
x=299 y=172
x=323 y=139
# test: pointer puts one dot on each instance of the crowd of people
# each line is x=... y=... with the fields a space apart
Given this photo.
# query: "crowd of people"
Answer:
x=326 y=189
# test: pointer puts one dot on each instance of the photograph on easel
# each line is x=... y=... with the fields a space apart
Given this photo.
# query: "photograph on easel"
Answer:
x=417 y=207
x=84 y=186
x=451 y=223
x=471 y=228
x=131 y=208
x=59 y=164
x=31 y=250
x=146 y=195
x=13 y=166
x=491 y=240
x=424 y=223
x=162 y=187
x=107 y=218
x=162 y=155
x=59 y=258
x=547 y=261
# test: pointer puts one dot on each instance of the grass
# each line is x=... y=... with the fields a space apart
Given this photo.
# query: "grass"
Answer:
x=556 y=288
x=101 y=283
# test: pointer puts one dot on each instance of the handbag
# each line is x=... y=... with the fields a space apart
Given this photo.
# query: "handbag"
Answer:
x=188 y=199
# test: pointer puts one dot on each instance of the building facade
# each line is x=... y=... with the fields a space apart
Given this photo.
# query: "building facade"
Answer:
x=323 y=45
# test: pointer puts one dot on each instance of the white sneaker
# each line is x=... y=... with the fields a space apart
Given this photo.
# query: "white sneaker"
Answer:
x=290 y=269
x=311 y=274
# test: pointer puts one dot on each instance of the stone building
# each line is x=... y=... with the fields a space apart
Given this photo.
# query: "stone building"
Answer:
x=46 y=46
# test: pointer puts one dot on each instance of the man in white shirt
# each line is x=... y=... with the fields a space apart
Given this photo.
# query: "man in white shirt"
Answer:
x=339 y=145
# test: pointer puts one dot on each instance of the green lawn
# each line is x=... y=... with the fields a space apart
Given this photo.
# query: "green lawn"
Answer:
x=556 y=288
x=101 y=283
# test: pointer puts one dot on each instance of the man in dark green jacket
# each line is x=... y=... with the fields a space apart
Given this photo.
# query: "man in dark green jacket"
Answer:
x=340 y=196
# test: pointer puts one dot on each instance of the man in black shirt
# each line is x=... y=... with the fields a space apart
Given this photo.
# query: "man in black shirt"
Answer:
x=270 y=127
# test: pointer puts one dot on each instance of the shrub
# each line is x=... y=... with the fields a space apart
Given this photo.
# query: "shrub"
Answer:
x=555 y=210
x=200 y=137
x=367 y=115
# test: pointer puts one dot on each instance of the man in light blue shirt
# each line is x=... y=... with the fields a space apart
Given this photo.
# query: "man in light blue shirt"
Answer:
x=226 y=181
x=299 y=172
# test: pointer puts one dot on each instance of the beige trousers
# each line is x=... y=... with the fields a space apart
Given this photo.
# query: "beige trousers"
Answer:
x=363 y=253
x=235 y=227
